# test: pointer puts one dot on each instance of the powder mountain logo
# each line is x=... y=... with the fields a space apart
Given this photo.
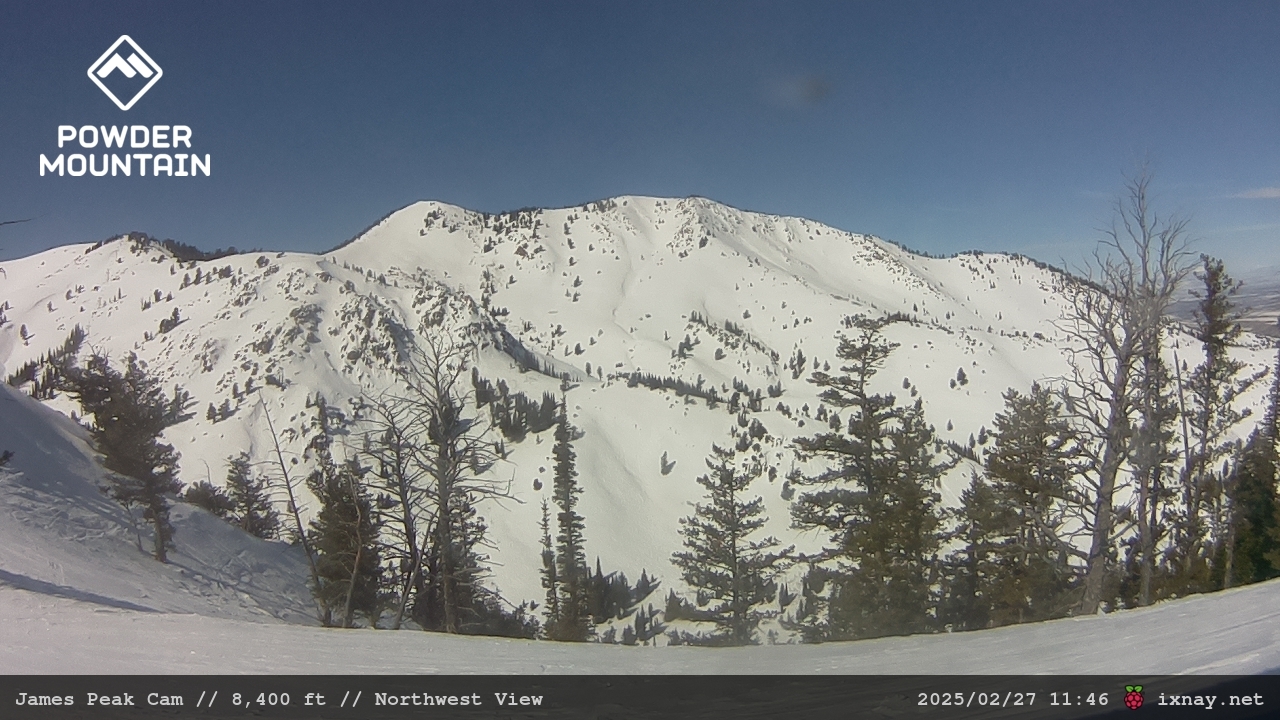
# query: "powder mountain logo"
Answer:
x=125 y=72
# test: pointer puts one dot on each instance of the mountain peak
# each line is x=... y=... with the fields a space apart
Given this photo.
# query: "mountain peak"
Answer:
x=649 y=316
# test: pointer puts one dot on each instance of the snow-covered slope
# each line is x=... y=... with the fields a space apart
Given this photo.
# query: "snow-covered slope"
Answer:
x=61 y=537
x=1232 y=632
x=685 y=289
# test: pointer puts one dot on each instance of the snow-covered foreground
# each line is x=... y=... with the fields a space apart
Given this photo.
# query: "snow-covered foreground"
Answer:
x=1235 y=632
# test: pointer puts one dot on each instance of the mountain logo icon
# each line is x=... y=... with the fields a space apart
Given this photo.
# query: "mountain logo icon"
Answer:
x=126 y=71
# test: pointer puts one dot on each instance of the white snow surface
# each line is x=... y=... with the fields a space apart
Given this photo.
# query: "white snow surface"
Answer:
x=595 y=292
x=61 y=536
x=1233 y=632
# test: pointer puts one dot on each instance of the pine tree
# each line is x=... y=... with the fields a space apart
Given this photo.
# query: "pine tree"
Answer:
x=611 y=597
x=344 y=532
x=251 y=504
x=205 y=494
x=550 y=577
x=1017 y=561
x=968 y=587
x=455 y=573
x=1152 y=461
x=1255 y=506
x=1201 y=524
x=896 y=540
x=1255 y=524
x=858 y=458
x=731 y=572
x=877 y=500
x=570 y=555
x=130 y=412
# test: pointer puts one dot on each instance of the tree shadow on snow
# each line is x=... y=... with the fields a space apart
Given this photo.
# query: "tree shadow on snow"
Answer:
x=22 y=582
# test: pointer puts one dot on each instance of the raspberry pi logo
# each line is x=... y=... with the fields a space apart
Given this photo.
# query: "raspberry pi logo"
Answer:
x=1133 y=696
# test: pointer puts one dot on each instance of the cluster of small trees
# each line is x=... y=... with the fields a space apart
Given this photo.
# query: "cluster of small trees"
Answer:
x=246 y=502
x=44 y=374
x=513 y=413
x=397 y=533
x=1116 y=486
x=578 y=600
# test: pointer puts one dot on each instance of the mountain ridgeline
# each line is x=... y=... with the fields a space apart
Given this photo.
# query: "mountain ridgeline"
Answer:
x=488 y=423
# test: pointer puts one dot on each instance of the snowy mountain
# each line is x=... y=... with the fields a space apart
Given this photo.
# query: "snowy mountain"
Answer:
x=597 y=303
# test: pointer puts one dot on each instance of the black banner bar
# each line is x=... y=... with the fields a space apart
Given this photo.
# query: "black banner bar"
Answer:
x=290 y=697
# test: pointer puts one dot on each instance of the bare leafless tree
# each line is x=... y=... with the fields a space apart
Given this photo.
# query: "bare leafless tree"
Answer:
x=434 y=453
x=290 y=487
x=1114 y=324
x=392 y=442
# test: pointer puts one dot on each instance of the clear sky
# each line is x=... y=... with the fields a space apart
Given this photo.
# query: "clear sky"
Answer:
x=942 y=126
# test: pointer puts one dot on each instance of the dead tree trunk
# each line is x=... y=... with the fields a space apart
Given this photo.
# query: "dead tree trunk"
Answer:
x=1116 y=315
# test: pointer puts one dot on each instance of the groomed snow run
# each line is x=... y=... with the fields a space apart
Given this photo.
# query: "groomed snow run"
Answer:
x=1233 y=632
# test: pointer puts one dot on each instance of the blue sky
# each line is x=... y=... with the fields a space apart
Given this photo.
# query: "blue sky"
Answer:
x=942 y=126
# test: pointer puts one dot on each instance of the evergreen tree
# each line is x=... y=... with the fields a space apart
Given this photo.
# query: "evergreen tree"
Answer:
x=1017 y=561
x=888 y=587
x=251 y=504
x=1153 y=457
x=731 y=572
x=1255 y=524
x=344 y=532
x=570 y=555
x=611 y=597
x=550 y=576
x=876 y=499
x=968 y=582
x=858 y=457
x=1255 y=507
x=205 y=494
x=130 y=411
x=455 y=571
x=1201 y=548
